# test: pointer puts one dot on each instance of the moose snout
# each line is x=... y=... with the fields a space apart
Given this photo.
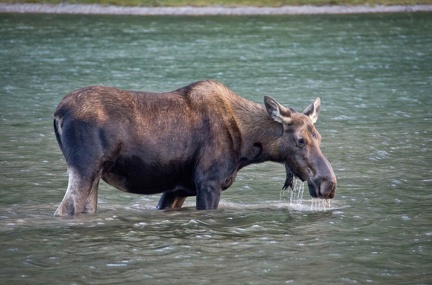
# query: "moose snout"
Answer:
x=327 y=188
x=323 y=183
x=323 y=187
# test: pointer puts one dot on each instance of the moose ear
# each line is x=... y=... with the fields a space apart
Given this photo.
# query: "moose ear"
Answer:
x=312 y=111
x=276 y=111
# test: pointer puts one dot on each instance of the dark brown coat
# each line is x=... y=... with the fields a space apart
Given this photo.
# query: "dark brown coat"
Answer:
x=189 y=142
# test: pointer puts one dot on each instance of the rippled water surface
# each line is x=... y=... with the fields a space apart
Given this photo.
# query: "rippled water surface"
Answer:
x=374 y=76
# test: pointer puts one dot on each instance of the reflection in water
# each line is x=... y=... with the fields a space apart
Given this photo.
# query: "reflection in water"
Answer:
x=373 y=75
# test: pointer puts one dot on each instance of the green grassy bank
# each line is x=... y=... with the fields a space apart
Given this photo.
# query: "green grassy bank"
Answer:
x=228 y=3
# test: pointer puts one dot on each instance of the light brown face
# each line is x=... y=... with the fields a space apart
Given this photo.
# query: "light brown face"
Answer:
x=301 y=145
x=307 y=161
x=304 y=132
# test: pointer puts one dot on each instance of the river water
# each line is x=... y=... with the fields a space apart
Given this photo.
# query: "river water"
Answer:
x=374 y=76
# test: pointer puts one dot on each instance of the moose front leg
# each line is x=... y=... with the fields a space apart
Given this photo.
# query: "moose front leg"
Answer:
x=174 y=198
x=212 y=177
x=208 y=196
x=171 y=200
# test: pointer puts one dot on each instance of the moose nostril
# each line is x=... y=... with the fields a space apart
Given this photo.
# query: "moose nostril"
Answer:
x=327 y=189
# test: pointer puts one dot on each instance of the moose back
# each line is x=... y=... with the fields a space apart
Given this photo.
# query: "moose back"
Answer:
x=188 y=142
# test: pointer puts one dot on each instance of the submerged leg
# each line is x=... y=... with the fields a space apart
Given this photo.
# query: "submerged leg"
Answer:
x=211 y=182
x=91 y=202
x=80 y=196
x=171 y=200
x=208 y=196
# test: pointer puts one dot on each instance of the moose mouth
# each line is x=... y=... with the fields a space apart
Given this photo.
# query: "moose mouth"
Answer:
x=322 y=189
x=319 y=188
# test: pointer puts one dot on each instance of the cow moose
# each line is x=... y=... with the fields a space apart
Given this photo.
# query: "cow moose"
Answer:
x=188 y=142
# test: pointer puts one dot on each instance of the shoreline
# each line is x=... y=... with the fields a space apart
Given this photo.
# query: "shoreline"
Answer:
x=95 y=9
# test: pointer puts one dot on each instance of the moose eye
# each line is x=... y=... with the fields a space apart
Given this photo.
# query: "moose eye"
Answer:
x=301 y=142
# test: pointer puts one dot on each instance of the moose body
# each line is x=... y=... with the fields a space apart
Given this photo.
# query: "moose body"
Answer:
x=188 y=142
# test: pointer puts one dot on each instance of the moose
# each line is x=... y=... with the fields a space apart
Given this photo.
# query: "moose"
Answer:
x=188 y=142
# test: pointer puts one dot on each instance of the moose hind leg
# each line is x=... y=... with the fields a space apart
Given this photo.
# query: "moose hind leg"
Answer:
x=91 y=202
x=80 y=196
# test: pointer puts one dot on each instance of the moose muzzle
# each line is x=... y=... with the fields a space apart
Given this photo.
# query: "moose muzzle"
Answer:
x=323 y=183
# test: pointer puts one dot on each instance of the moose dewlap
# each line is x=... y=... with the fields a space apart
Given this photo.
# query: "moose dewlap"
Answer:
x=188 y=142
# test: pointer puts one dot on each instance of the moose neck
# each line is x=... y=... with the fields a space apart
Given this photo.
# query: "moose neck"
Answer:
x=260 y=133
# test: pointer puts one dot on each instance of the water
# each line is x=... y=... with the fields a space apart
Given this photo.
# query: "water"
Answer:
x=374 y=76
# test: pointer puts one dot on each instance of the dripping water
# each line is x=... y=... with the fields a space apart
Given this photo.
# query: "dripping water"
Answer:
x=297 y=202
x=296 y=195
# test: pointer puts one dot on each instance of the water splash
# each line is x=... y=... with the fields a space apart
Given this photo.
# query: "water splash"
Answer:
x=295 y=194
x=297 y=202
x=320 y=204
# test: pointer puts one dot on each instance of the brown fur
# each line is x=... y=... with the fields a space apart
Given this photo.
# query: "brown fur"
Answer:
x=191 y=141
